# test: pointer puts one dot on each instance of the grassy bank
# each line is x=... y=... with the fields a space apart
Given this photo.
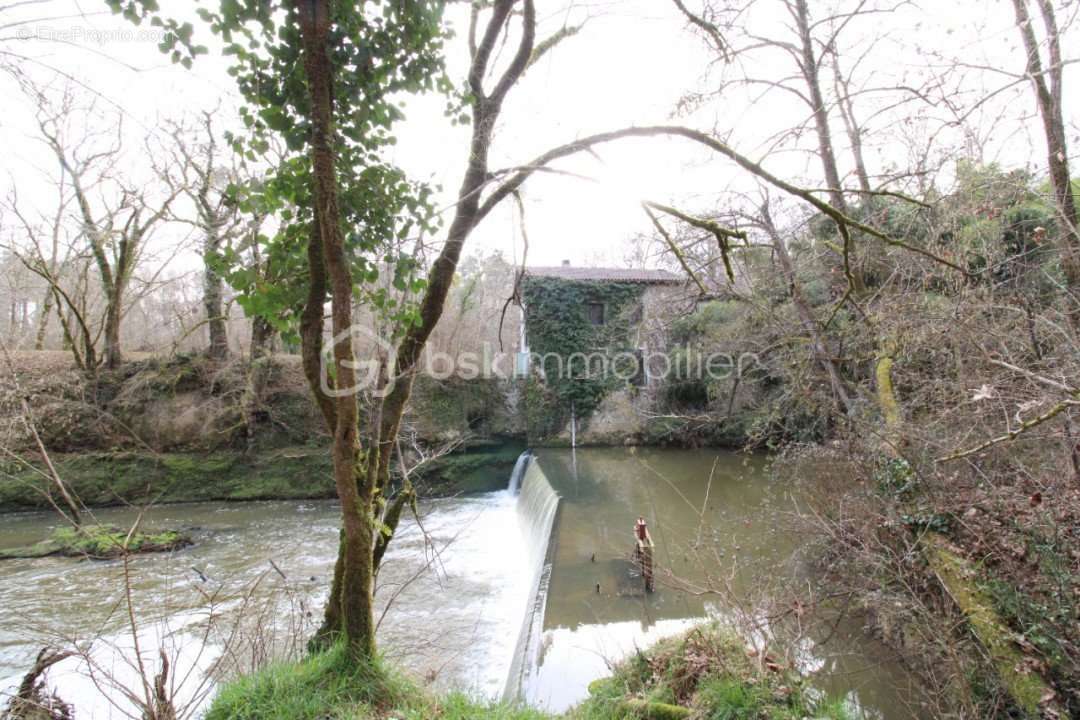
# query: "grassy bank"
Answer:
x=328 y=686
x=110 y=478
x=706 y=673
x=102 y=479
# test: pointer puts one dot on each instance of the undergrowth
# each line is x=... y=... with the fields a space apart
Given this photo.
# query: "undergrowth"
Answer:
x=707 y=674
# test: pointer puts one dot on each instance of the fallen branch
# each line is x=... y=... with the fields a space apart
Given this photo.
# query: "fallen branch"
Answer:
x=1013 y=434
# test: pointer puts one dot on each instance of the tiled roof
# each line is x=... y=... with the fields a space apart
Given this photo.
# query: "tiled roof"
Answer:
x=569 y=272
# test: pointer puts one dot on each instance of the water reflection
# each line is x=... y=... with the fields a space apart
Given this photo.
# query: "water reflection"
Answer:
x=722 y=547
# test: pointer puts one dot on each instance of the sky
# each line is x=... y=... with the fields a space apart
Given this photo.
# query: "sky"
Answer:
x=631 y=65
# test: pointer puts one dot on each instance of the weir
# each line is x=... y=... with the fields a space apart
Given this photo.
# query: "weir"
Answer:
x=537 y=508
x=519 y=471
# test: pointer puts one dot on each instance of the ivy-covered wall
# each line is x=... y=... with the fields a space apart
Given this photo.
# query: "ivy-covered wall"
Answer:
x=561 y=339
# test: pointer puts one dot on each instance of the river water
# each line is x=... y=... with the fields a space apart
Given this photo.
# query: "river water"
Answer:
x=523 y=593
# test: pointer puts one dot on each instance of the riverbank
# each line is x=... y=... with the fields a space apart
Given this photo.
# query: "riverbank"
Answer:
x=103 y=479
x=706 y=673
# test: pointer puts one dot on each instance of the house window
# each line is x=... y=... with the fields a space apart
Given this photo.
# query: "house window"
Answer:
x=595 y=313
x=641 y=375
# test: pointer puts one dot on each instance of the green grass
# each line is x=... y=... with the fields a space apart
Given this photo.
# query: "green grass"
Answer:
x=705 y=674
x=328 y=686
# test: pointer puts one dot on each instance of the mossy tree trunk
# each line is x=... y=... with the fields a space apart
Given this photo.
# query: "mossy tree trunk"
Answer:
x=369 y=472
x=354 y=487
x=213 y=290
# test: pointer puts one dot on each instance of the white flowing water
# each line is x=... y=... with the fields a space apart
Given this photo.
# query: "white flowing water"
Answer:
x=457 y=589
x=537 y=506
x=518 y=472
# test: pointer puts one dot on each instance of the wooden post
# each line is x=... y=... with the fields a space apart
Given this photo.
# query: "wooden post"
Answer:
x=643 y=553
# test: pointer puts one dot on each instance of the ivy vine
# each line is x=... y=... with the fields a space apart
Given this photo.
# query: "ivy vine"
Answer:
x=568 y=347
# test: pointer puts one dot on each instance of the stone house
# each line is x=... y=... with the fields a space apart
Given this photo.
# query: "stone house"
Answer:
x=594 y=349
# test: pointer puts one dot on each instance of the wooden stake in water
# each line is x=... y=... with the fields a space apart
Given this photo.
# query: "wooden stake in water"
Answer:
x=643 y=553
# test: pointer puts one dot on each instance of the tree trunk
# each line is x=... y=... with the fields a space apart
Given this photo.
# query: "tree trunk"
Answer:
x=1049 y=98
x=354 y=487
x=212 y=293
x=113 y=316
x=812 y=76
x=262 y=337
x=258 y=372
x=43 y=320
x=806 y=317
x=387 y=419
x=851 y=126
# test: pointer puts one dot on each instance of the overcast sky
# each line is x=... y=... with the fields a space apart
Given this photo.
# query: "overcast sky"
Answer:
x=631 y=65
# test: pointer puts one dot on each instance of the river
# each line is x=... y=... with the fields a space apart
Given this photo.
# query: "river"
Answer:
x=523 y=594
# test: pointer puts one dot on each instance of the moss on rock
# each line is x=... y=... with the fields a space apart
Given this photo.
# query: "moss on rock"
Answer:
x=100 y=542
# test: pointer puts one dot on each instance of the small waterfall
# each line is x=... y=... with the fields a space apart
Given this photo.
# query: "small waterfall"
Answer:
x=537 y=507
x=519 y=472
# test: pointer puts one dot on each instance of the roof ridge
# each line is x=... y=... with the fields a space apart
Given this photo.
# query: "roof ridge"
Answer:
x=614 y=274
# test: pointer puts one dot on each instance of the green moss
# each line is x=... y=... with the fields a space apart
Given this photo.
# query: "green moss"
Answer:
x=101 y=479
x=1024 y=684
x=1044 y=609
x=459 y=407
x=100 y=542
x=37 y=550
x=476 y=470
x=103 y=541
